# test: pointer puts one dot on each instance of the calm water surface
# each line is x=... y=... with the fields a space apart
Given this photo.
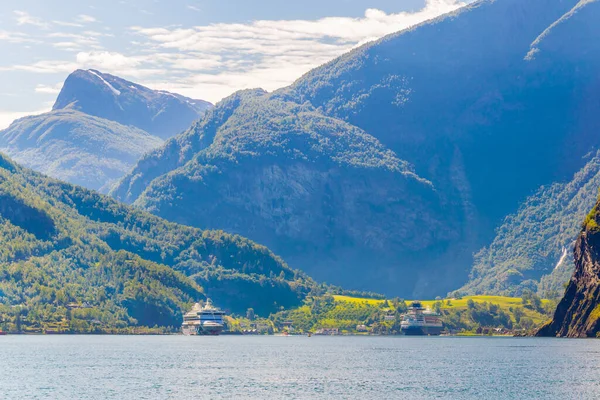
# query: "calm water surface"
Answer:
x=177 y=367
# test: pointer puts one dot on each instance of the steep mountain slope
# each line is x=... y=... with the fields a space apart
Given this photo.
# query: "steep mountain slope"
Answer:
x=533 y=248
x=462 y=84
x=578 y=313
x=488 y=104
x=62 y=244
x=99 y=127
x=324 y=194
x=76 y=147
x=159 y=113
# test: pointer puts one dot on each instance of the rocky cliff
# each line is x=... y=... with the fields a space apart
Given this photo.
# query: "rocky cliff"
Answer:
x=578 y=313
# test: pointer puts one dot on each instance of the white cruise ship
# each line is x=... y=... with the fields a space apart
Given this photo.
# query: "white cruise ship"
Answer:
x=419 y=321
x=207 y=320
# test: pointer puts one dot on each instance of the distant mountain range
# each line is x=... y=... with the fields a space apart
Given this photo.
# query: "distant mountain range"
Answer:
x=98 y=128
x=386 y=169
x=65 y=245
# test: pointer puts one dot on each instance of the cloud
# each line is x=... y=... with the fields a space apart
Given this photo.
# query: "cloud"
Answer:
x=76 y=41
x=85 y=18
x=212 y=61
x=8 y=117
x=16 y=37
x=67 y=24
x=24 y=18
x=49 y=89
x=193 y=8
x=222 y=58
x=111 y=62
x=44 y=67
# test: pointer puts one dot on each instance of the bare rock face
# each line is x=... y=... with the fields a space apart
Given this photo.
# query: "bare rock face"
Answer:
x=578 y=313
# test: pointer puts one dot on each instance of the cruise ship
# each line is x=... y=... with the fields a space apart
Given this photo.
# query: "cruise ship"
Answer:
x=207 y=320
x=419 y=321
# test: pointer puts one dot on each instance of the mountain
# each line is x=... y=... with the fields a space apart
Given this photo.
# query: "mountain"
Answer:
x=99 y=127
x=322 y=193
x=533 y=248
x=159 y=113
x=578 y=313
x=76 y=147
x=121 y=267
x=486 y=104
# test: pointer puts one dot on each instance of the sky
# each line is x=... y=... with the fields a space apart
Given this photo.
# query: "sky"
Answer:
x=204 y=49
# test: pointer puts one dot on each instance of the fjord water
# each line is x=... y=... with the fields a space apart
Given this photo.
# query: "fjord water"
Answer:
x=161 y=367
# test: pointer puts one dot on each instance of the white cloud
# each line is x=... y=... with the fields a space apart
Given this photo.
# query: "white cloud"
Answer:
x=8 y=117
x=24 y=18
x=212 y=61
x=16 y=37
x=222 y=58
x=49 y=89
x=85 y=18
x=44 y=67
x=194 y=8
x=68 y=24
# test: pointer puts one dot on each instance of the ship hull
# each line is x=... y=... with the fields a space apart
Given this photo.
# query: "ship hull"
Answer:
x=212 y=331
x=422 y=330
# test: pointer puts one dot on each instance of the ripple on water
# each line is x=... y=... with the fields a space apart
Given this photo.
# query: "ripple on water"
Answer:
x=150 y=367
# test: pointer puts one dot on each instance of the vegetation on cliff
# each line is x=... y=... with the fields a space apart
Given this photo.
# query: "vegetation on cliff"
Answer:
x=533 y=247
x=577 y=314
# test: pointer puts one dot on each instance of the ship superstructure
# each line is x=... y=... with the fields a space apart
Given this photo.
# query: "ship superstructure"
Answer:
x=421 y=321
x=207 y=320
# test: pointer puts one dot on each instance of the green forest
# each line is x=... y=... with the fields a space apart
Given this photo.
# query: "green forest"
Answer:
x=75 y=261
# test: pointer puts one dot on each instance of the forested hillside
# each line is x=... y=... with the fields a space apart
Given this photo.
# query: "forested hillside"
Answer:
x=324 y=194
x=533 y=248
x=74 y=258
x=76 y=147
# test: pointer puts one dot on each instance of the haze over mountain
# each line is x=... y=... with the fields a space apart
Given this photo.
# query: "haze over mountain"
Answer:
x=63 y=244
x=159 y=113
x=482 y=106
x=99 y=127
x=533 y=248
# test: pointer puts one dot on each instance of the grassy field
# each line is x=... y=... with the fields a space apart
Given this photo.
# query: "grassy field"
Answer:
x=505 y=303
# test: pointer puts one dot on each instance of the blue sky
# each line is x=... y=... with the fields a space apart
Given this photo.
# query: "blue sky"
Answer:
x=200 y=48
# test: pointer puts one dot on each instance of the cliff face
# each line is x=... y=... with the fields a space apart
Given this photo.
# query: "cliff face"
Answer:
x=323 y=194
x=578 y=313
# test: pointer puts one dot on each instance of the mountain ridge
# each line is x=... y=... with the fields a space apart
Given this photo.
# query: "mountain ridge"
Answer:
x=95 y=132
x=116 y=99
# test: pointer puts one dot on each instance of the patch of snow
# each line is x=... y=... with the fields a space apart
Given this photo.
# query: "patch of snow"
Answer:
x=168 y=94
x=112 y=88
x=562 y=258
